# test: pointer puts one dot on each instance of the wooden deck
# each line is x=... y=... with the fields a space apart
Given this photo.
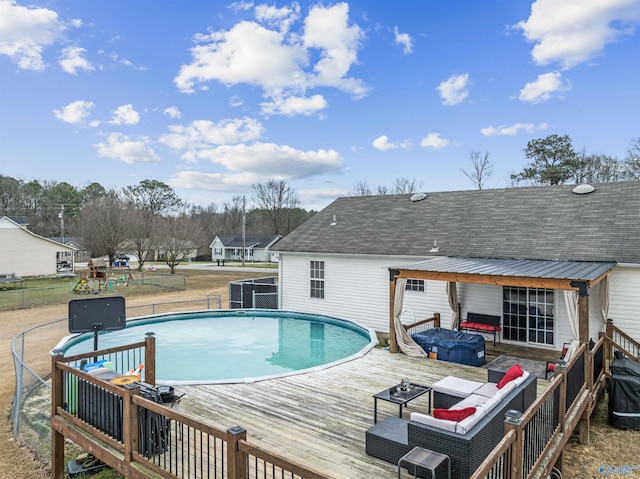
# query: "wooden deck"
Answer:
x=319 y=419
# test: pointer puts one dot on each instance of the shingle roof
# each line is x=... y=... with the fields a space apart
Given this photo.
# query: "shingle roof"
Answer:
x=550 y=222
x=251 y=241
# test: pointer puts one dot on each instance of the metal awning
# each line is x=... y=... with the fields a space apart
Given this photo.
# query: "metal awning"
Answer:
x=508 y=272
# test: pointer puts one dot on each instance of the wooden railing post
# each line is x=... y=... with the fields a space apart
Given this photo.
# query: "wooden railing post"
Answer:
x=436 y=322
x=236 y=459
x=608 y=351
x=130 y=421
x=150 y=358
x=57 y=400
x=513 y=422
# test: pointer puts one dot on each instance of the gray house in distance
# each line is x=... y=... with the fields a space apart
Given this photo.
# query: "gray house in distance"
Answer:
x=256 y=247
x=534 y=256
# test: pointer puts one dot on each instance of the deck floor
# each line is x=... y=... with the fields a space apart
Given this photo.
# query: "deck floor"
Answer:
x=319 y=419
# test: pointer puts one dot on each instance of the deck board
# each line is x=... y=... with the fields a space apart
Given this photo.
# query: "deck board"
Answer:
x=319 y=419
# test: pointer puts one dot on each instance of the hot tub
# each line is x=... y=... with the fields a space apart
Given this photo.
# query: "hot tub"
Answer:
x=453 y=346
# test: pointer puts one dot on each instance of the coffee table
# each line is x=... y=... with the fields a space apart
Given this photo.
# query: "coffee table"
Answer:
x=401 y=398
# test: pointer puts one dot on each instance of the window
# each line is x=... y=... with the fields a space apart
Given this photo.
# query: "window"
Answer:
x=316 y=276
x=415 y=285
x=528 y=315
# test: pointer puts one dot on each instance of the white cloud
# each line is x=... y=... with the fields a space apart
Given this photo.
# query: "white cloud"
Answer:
x=173 y=112
x=513 y=129
x=294 y=105
x=214 y=182
x=273 y=161
x=435 y=141
x=75 y=112
x=71 y=60
x=202 y=134
x=404 y=40
x=125 y=115
x=26 y=32
x=131 y=151
x=573 y=31
x=320 y=196
x=544 y=87
x=123 y=61
x=279 y=61
x=454 y=89
x=382 y=143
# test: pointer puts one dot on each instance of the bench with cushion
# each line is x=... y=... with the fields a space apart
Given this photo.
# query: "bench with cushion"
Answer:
x=483 y=323
x=466 y=440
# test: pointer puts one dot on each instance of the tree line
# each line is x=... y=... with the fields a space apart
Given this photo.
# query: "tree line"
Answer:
x=147 y=217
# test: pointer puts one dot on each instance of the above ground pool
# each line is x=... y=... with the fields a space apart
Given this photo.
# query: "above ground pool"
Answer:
x=236 y=345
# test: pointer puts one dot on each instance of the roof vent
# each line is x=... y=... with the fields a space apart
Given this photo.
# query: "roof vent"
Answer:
x=418 y=197
x=583 y=189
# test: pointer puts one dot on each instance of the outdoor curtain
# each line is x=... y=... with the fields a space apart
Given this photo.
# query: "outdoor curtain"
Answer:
x=452 y=293
x=405 y=342
x=603 y=294
x=571 y=300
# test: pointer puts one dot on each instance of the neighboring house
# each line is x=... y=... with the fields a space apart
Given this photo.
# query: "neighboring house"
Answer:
x=344 y=261
x=27 y=254
x=257 y=248
x=80 y=254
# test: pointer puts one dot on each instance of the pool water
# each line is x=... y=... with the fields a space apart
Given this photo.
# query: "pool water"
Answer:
x=232 y=346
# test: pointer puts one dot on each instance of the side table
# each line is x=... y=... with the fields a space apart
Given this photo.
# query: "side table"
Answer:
x=424 y=458
x=401 y=398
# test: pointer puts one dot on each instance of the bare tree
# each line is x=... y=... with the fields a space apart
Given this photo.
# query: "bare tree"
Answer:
x=402 y=186
x=632 y=161
x=232 y=215
x=103 y=224
x=174 y=243
x=277 y=199
x=361 y=188
x=481 y=169
x=599 y=168
x=139 y=227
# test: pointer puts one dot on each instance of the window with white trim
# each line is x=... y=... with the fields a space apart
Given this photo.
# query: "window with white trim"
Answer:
x=316 y=279
x=415 y=285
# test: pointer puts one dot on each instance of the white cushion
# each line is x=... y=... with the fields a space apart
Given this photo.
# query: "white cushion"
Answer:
x=491 y=403
x=487 y=390
x=471 y=401
x=506 y=389
x=467 y=423
x=520 y=379
x=432 y=421
x=454 y=386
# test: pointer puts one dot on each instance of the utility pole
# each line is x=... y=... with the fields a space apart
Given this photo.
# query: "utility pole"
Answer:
x=244 y=228
x=61 y=216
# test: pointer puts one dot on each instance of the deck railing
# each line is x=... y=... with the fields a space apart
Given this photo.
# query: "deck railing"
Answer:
x=423 y=325
x=124 y=427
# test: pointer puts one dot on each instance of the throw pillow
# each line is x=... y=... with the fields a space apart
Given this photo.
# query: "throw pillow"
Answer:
x=453 y=414
x=513 y=373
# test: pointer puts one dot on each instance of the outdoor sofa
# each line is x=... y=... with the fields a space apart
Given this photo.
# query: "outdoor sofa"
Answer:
x=467 y=442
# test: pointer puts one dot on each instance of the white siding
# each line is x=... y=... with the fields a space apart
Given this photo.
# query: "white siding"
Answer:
x=624 y=299
x=357 y=288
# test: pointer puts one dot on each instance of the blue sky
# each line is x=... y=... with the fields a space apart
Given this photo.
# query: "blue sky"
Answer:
x=211 y=97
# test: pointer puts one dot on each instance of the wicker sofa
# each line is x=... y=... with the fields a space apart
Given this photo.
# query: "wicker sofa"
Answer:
x=467 y=447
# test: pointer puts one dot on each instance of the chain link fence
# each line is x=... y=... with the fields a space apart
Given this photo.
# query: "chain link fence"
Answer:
x=31 y=407
x=138 y=284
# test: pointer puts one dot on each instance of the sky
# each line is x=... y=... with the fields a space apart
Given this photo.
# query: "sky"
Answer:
x=212 y=97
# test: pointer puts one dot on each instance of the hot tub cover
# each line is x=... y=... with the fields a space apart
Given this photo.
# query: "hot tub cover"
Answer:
x=454 y=346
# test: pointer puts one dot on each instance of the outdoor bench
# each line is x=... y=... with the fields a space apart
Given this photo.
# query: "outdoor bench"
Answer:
x=483 y=323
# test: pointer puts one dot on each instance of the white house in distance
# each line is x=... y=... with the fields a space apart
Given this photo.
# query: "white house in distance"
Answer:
x=527 y=245
x=27 y=254
x=257 y=247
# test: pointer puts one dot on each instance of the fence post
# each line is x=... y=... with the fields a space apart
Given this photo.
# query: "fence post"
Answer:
x=130 y=421
x=236 y=460
x=150 y=358
x=17 y=398
x=561 y=370
x=57 y=400
x=513 y=422
x=608 y=356
x=436 y=323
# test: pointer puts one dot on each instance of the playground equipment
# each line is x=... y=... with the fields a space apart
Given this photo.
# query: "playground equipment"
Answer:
x=101 y=277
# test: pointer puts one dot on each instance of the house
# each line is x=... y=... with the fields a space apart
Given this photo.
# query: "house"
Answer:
x=27 y=254
x=80 y=254
x=510 y=252
x=257 y=247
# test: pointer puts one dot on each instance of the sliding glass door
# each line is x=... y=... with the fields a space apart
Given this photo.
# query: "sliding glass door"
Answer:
x=528 y=315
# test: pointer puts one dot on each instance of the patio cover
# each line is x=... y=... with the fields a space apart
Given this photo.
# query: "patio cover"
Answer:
x=578 y=276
